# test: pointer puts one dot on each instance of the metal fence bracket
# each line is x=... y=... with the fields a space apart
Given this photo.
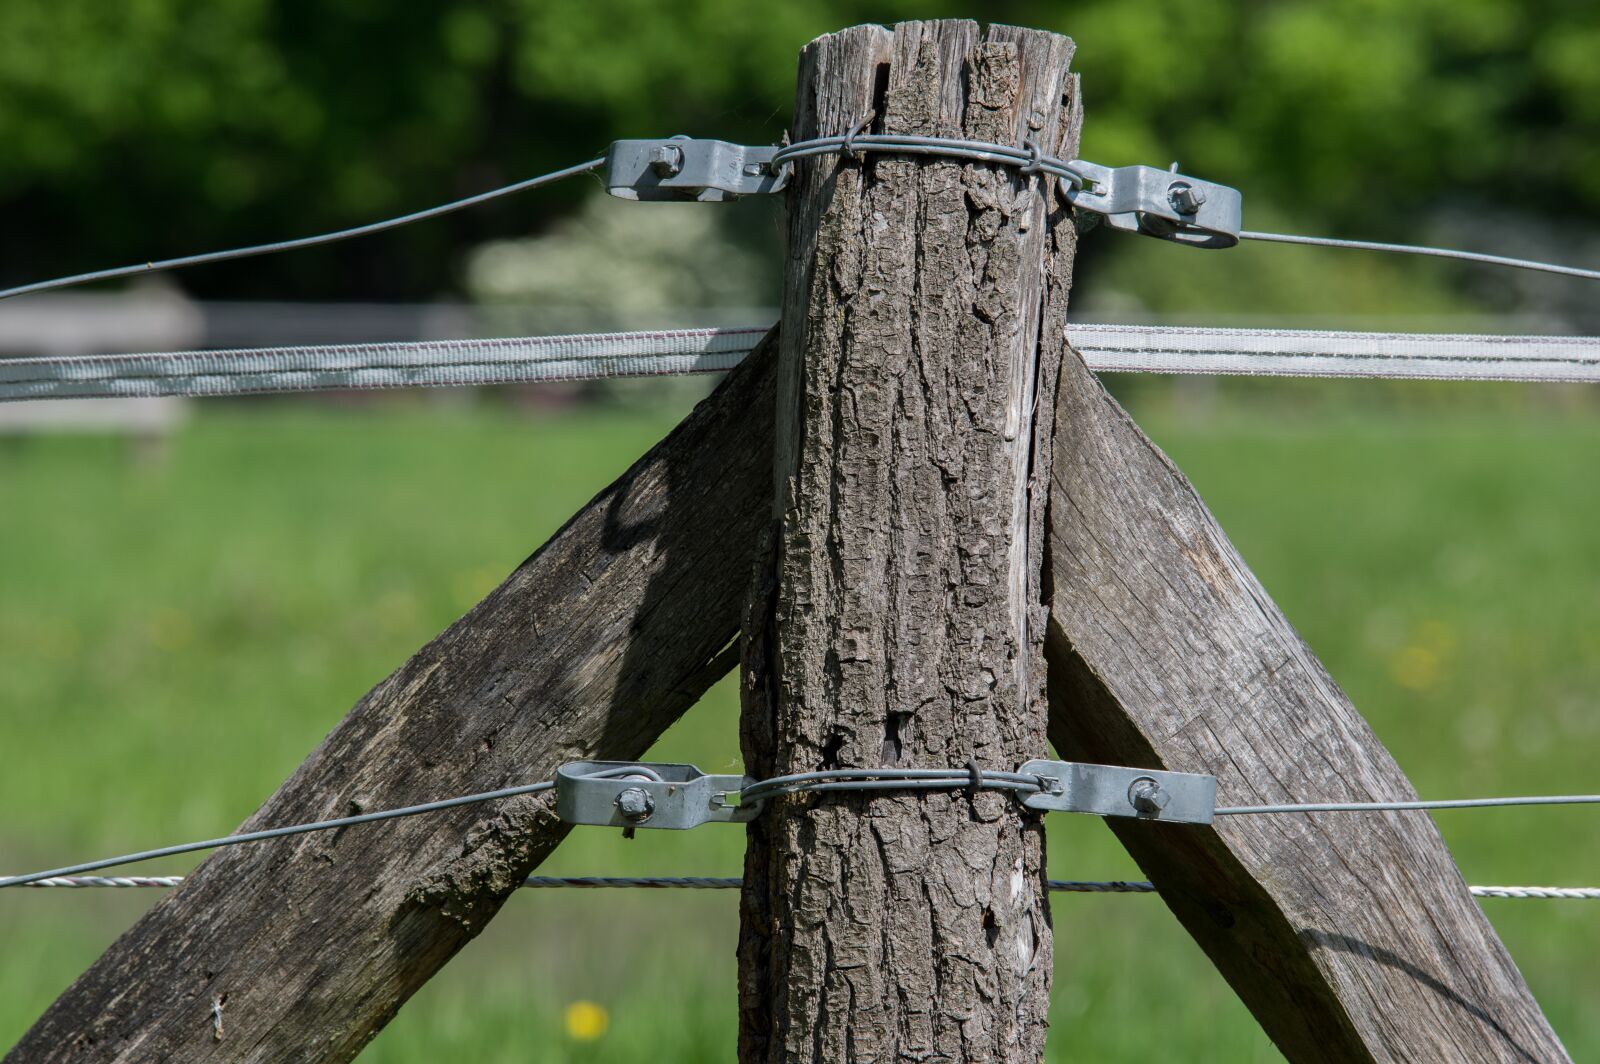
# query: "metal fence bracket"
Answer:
x=1112 y=790
x=685 y=168
x=1159 y=203
x=627 y=795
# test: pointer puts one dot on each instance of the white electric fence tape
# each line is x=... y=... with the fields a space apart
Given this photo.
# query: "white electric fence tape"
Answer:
x=363 y=366
x=1317 y=353
x=595 y=356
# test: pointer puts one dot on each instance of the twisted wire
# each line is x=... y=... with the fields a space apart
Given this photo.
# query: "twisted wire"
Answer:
x=1028 y=158
x=1068 y=886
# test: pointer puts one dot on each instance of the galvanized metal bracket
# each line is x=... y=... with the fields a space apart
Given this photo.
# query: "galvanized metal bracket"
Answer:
x=627 y=795
x=1159 y=203
x=1135 y=199
x=1112 y=790
x=685 y=168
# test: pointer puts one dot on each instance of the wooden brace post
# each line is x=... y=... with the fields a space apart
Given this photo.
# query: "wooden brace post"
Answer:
x=1351 y=936
x=589 y=650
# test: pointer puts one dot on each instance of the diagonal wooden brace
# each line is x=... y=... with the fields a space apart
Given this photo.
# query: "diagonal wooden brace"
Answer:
x=308 y=946
x=1351 y=937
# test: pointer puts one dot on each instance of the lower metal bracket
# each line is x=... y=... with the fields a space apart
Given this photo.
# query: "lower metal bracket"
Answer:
x=1112 y=790
x=625 y=794
x=684 y=168
x=1159 y=203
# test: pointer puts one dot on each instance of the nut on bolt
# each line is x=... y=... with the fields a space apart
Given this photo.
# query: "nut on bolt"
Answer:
x=1185 y=198
x=635 y=805
x=1147 y=796
x=666 y=159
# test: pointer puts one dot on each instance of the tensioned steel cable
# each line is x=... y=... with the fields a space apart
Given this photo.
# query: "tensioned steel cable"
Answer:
x=1419 y=249
x=1070 y=886
x=844 y=779
x=274 y=833
x=305 y=241
x=1394 y=807
x=589 y=356
x=1031 y=160
x=1028 y=158
x=970 y=778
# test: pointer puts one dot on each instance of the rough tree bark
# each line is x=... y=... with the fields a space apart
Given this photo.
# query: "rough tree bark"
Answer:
x=1351 y=936
x=900 y=621
x=307 y=946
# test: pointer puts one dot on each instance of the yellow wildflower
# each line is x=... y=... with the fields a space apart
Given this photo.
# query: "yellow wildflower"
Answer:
x=586 y=1021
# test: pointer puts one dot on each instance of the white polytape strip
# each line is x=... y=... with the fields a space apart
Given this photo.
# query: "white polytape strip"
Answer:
x=1316 y=353
x=1105 y=348
x=365 y=366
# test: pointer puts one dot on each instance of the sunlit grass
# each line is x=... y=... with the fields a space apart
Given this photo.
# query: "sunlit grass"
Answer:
x=175 y=635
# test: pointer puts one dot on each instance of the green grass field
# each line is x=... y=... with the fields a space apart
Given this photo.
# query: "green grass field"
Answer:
x=176 y=634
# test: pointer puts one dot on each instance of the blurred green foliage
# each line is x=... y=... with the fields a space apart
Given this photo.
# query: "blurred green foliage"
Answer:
x=145 y=128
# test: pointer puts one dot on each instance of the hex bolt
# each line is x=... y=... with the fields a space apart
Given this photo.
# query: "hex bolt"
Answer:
x=1147 y=796
x=1185 y=198
x=666 y=159
x=636 y=805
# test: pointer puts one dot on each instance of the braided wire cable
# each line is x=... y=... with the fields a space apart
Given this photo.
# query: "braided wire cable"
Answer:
x=1066 y=886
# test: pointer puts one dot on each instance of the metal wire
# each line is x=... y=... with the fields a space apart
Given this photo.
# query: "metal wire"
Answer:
x=1073 y=886
x=1415 y=249
x=1031 y=160
x=305 y=241
x=878 y=779
x=1029 y=157
x=831 y=780
x=275 y=833
x=1380 y=807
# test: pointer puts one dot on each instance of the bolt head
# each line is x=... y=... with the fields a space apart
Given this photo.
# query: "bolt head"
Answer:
x=635 y=805
x=1186 y=198
x=1147 y=796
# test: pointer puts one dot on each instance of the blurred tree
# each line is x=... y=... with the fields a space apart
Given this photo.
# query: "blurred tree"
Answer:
x=147 y=128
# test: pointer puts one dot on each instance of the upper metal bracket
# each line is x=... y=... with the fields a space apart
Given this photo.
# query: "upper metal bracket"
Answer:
x=1112 y=790
x=684 y=168
x=626 y=794
x=1160 y=203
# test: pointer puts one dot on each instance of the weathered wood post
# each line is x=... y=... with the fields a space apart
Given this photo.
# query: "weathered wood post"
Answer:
x=900 y=620
x=1351 y=937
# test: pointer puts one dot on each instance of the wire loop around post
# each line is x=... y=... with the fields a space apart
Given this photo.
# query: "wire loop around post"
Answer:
x=849 y=148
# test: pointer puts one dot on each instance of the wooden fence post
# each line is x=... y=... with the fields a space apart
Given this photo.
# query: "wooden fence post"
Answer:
x=900 y=619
